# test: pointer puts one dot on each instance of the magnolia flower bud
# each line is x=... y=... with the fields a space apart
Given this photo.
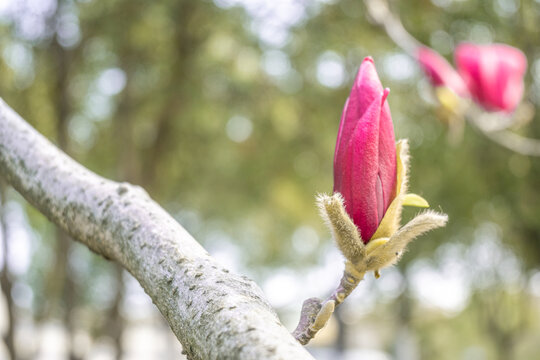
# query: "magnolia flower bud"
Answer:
x=365 y=155
x=370 y=189
x=493 y=74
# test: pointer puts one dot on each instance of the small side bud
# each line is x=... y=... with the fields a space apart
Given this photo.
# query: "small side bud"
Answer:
x=323 y=316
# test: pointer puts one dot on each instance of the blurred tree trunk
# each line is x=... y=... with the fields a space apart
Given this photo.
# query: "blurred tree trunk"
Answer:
x=65 y=288
x=127 y=170
x=405 y=344
x=505 y=318
x=5 y=280
x=341 y=340
x=128 y=166
x=185 y=46
x=115 y=322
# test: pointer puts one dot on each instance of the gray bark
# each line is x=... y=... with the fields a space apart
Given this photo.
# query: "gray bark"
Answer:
x=214 y=313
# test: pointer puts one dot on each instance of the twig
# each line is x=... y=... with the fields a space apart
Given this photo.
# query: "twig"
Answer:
x=315 y=313
x=510 y=140
x=380 y=13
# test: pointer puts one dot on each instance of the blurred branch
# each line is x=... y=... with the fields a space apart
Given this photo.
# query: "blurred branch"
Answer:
x=214 y=313
x=497 y=129
x=380 y=13
x=185 y=45
x=492 y=122
x=512 y=141
x=61 y=285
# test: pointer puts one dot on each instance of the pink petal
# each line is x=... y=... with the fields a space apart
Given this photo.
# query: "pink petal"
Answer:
x=360 y=173
x=439 y=71
x=467 y=61
x=387 y=153
x=366 y=88
x=493 y=73
x=337 y=163
x=512 y=68
x=365 y=158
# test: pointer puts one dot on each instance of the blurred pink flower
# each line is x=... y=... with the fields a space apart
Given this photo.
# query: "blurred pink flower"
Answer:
x=365 y=156
x=440 y=72
x=493 y=74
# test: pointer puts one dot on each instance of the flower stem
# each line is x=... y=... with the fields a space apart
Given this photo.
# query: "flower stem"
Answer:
x=316 y=313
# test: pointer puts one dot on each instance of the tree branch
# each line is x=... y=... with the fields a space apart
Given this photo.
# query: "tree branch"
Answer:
x=380 y=13
x=214 y=313
x=497 y=129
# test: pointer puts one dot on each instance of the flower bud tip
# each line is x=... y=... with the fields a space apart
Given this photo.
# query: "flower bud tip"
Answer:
x=369 y=58
x=386 y=91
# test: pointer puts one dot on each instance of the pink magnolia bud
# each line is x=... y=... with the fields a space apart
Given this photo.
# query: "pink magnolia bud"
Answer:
x=493 y=74
x=440 y=72
x=365 y=156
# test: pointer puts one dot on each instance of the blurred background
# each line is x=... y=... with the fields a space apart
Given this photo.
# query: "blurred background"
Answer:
x=226 y=112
